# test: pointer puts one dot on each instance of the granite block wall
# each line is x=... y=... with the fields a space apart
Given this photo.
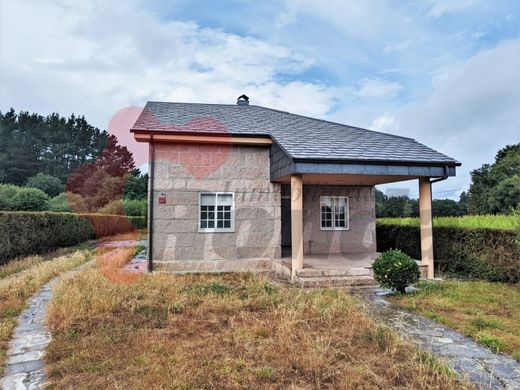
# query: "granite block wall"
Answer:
x=182 y=171
x=361 y=236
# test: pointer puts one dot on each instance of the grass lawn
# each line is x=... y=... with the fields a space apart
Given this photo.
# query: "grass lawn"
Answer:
x=507 y=222
x=20 y=279
x=223 y=331
x=488 y=312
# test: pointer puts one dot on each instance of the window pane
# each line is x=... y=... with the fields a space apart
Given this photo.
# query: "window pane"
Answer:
x=220 y=224
x=211 y=224
x=225 y=199
x=326 y=201
x=227 y=224
x=207 y=200
x=203 y=224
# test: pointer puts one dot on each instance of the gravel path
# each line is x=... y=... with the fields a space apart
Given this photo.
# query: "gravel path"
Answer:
x=24 y=368
x=475 y=363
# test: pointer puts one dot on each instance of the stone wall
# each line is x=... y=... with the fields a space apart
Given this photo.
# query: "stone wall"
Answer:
x=182 y=171
x=361 y=236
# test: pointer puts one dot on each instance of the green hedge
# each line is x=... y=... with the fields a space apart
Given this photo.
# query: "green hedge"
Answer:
x=26 y=233
x=462 y=252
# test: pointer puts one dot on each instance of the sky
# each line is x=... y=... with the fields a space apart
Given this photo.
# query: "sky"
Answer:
x=444 y=72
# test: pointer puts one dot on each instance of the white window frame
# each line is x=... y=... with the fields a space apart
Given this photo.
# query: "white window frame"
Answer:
x=333 y=200
x=216 y=229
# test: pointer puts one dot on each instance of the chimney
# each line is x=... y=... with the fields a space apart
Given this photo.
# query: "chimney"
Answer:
x=243 y=100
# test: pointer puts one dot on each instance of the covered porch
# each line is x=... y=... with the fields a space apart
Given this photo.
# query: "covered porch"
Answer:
x=339 y=261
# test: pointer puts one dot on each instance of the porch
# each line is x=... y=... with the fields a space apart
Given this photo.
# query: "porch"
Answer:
x=336 y=269
x=342 y=255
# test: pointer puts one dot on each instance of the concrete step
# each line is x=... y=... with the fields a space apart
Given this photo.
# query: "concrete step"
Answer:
x=351 y=271
x=337 y=281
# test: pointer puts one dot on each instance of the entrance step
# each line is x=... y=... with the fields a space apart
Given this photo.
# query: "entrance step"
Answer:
x=350 y=271
x=360 y=281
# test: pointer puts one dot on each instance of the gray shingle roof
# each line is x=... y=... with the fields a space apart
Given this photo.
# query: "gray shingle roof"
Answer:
x=300 y=136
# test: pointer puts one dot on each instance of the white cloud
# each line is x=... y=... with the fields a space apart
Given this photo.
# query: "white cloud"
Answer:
x=386 y=123
x=395 y=47
x=438 y=8
x=378 y=88
x=96 y=57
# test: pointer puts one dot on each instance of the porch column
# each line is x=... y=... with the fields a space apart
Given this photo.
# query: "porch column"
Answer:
x=296 y=223
x=425 y=216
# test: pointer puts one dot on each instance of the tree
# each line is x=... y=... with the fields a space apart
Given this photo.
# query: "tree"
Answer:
x=103 y=181
x=51 y=185
x=53 y=145
x=136 y=187
x=494 y=187
x=115 y=160
x=446 y=208
x=398 y=207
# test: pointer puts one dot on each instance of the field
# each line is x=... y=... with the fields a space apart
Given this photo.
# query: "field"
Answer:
x=507 y=222
x=224 y=331
x=487 y=312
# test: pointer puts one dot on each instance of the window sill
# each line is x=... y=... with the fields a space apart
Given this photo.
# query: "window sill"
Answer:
x=216 y=230
x=333 y=229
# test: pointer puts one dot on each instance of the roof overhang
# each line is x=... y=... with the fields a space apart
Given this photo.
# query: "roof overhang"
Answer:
x=374 y=168
x=353 y=172
x=220 y=139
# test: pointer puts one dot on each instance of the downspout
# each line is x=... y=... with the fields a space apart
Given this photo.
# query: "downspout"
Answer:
x=151 y=199
x=444 y=177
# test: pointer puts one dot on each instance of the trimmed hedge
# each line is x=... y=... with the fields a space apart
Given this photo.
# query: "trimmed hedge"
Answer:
x=462 y=252
x=26 y=233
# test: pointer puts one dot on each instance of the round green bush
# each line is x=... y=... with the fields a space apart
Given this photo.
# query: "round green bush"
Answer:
x=51 y=185
x=7 y=193
x=395 y=269
x=59 y=204
x=135 y=208
x=29 y=199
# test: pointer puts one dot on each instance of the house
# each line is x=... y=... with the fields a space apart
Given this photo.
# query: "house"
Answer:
x=237 y=187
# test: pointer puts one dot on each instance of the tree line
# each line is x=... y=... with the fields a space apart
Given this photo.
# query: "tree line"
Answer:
x=74 y=164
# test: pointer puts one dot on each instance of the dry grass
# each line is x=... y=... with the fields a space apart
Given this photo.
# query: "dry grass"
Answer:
x=488 y=312
x=133 y=235
x=19 y=265
x=20 y=285
x=223 y=332
x=110 y=261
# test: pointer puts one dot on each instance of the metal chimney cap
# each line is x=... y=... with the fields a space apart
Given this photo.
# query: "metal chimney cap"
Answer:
x=243 y=100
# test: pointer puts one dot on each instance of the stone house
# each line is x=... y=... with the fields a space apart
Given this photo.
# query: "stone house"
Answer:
x=241 y=187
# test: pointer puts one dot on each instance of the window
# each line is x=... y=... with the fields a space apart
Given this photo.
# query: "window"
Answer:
x=334 y=212
x=216 y=212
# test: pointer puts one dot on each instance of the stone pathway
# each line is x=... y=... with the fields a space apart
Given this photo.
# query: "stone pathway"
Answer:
x=139 y=264
x=475 y=363
x=24 y=368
